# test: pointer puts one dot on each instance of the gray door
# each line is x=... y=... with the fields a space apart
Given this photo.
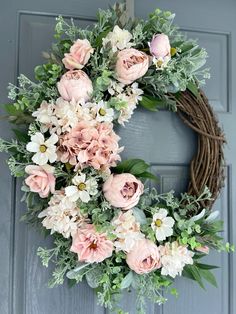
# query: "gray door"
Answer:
x=161 y=138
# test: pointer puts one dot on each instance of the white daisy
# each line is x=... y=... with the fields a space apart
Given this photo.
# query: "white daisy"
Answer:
x=162 y=225
x=161 y=62
x=103 y=112
x=81 y=189
x=118 y=38
x=45 y=150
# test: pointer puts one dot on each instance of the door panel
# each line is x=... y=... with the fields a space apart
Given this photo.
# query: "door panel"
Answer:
x=160 y=138
x=215 y=29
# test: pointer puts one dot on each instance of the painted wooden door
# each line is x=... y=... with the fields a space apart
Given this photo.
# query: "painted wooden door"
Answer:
x=160 y=138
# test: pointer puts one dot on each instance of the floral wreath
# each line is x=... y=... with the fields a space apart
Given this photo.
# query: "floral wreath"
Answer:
x=106 y=226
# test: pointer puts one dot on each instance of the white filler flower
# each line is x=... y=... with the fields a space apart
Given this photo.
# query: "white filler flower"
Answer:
x=81 y=189
x=45 y=150
x=119 y=39
x=162 y=225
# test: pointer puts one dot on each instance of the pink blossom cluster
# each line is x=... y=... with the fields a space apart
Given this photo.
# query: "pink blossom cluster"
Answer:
x=90 y=144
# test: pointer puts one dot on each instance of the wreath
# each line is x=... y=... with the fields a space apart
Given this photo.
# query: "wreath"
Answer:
x=107 y=227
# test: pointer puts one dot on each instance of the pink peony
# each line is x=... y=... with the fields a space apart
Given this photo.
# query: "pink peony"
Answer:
x=160 y=46
x=91 y=246
x=131 y=64
x=41 y=179
x=123 y=190
x=79 y=55
x=75 y=85
x=144 y=257
x=90 y=144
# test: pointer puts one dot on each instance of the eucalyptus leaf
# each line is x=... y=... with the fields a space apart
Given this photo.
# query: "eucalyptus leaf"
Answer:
x=139 y=215
x=127 y=281
x=72 y=274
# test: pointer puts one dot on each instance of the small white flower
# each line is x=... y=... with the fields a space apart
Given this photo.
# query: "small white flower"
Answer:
x=134 y=93
x=44 y=113
x=161 y=62
x=119 y=39
x=162 y=225
x=115 y=88
x=103 y=113
x=81 y=189
x=127 y=231
x=45 y=150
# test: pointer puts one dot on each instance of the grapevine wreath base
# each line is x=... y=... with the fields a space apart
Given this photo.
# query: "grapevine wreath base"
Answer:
x=206 y=168
x=106 y=225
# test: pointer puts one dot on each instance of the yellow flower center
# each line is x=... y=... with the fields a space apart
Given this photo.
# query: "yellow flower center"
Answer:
x=42 y=148
x=158 y=222
x=102 y=112
x=82 y=186
x=173 y=51
x=159 y=63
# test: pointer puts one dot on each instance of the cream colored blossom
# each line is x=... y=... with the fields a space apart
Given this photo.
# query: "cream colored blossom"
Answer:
x=127 y=230
x=118 y=38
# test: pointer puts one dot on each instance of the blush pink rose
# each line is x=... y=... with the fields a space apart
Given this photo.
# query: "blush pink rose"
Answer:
x=41 y=179
x=131 y=64
x=79 y=54
x=75 y=85
x=144 y=257
x=123 y=190
x=160 y=46
x=91 y=246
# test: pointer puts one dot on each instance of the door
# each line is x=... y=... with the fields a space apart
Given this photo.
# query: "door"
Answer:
x=159 y=138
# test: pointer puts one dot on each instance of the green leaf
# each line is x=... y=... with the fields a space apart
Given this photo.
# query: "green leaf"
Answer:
x=72 y=274
x=21 y=136
x=206 y=266
x=12 y=110
x=208 y=276
x=192 y=272
x=139 y=216
x=148 y=175
x=134 y=166
x=71 y=282
x=127 y=281
x=193 y=89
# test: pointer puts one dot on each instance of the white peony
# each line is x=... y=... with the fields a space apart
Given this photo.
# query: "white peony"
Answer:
x=45 y=150
x=81 y=189
x=127 y=231
x=62 y=215
x=162 y=225
x=173 y=258
x=118 y=38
